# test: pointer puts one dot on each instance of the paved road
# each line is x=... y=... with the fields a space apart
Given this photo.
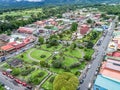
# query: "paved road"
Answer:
x=90 y=75
x=10 y=83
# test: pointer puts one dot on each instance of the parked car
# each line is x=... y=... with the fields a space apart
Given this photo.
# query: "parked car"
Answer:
x=24 y=84
x=89 y=66
x=18 y=81
x=84 y=76
x=81 y=81
x=4 y=73
x=29 y=87
x=89 y=86
x=10 y=76
x=96 y=72
x=7 y=88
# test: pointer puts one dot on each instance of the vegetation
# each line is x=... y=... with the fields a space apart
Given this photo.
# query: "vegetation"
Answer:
x=41 y=40
x=1 y=88
x=15 y=19
x=74 y=26
x=65 y=81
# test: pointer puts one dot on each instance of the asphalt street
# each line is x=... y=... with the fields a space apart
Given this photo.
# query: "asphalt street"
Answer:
x=99 y=54
x=10 y=83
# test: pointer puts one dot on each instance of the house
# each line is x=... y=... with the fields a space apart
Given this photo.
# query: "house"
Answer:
x=104 y=83
x=111 y=69
x=15 y=62
x=25 y=30
x=112 y=47
x=4 y=37
x=17 y=45
x=8 y=49
x=84 y=29
x=41 y=23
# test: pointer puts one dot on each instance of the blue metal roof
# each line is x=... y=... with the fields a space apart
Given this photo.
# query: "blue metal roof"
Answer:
x=107 y=83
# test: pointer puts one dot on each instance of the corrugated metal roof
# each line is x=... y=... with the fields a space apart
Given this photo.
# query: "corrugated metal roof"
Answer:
x=107 y=83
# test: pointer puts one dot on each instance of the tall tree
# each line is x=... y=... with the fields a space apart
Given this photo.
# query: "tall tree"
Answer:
x=65 y=81
x=41 y=40
x=74 y=26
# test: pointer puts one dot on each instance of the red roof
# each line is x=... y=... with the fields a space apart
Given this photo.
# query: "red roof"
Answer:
x=25 y=30
x=17 y=46
x=84 y=29
x=110 y=70
x=11 y=43
x=7 y=47
x=116 y=54
x=39 y=22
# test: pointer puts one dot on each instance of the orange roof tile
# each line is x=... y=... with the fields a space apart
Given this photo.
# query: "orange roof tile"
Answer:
x=109 y=72
x=7 y=47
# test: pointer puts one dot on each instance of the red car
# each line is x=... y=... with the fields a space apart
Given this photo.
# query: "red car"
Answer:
x=24 y=84
x=18 y=81
x=4 y=73
x=10 y=76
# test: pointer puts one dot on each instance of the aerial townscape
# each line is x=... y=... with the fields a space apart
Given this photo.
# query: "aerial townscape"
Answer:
x=59 y=45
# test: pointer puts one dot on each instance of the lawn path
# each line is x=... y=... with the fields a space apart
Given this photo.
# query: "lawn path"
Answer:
x=29 y=56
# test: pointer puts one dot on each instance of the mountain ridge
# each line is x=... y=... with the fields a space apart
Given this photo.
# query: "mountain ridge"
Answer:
x=36 y=3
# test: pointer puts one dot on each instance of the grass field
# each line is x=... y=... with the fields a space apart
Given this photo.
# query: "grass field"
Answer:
x=19 y=14
x=74 y=53
x=48 y=85
x=69 y=61
x=36 y=54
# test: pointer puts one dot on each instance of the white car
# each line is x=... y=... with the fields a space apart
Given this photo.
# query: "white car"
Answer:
x=7 y=88
x=96 y=73
x=89 y=66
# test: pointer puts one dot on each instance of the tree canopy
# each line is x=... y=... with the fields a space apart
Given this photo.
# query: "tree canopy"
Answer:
x=65 y=81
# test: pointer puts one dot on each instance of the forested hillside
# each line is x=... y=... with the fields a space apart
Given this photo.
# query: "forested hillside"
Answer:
x=8 y=4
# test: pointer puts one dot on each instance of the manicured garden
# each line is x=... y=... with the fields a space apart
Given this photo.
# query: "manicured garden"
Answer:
x=48 y=85
x=51 y=48
x=73 y=53
x=40 y=54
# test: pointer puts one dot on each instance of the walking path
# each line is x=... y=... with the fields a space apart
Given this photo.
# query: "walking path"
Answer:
x=29 y=56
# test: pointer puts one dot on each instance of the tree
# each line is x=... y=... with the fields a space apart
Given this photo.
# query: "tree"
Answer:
x=41 y=40
x=41 y=74
x=72 y=46
x=57 y=63
x=44 y=64
x=89 y=45
x=87 y=57
x=65 y=81
x=89 y=21
x=1 y=88
x=16 y=71
x=74 y=26
x=53 y=42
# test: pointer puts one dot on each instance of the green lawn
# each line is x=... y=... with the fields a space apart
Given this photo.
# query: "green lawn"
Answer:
x=75 y=53
x=53 y=48
x=69 y=61
x=25 y=56
x=48 y=85
x=56 y=70
x=34 y=75
x=89 y=51
x=66 y=36
x=36 y=53
x=19 y=14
